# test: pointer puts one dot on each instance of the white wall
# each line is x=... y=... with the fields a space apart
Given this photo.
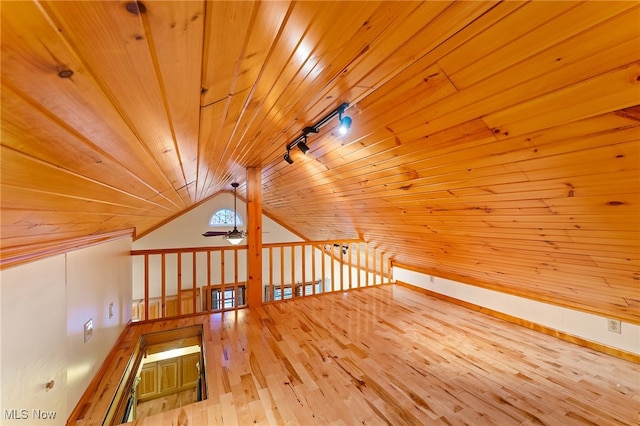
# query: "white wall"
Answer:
x=44 y=305
x=576 y=323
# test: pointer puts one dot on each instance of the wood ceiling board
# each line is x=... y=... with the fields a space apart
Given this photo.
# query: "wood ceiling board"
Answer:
x=543 y=152
x=534 y=77
x=211 y=149
x=121 y=59
x=392 y=49
x=55 y=218
x=227 y=24
x=177 y=29
x=511 y=27
x=613 y=158
x=264 y=33
x=43 y=138
x=609 y=92
x=582 y=278
x=31 y=174
x=535 y=33
x=41 y=54
x=21 y=198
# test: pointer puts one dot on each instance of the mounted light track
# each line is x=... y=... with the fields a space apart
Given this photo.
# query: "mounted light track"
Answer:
x=301 y=141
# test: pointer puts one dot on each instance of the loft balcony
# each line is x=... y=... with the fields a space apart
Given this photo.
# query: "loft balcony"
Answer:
x=162 y=359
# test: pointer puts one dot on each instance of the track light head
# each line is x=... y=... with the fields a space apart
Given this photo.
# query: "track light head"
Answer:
x=287 y=158
x=345 y=125
x=303 y=146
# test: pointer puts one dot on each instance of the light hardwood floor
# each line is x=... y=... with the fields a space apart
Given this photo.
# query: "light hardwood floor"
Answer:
x=390 y=355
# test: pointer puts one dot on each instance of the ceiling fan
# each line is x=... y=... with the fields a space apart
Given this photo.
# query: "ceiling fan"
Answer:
x=234 y=236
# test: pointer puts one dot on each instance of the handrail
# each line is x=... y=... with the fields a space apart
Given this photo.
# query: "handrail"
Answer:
x=181 y=281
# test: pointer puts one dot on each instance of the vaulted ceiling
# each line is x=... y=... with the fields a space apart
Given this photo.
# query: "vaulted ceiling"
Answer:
x=494 y=143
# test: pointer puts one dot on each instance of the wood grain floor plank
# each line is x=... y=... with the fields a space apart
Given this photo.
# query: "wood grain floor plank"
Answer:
x=389 y=355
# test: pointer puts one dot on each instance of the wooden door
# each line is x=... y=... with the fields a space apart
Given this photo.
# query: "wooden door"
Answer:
x=168 y=372
x=148 y=385
x=190 y=372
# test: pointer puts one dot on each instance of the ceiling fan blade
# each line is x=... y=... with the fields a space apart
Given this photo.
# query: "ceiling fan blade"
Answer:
x=213 y=233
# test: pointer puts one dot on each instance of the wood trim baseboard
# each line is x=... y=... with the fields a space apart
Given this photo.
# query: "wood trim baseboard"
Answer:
x=618 y=353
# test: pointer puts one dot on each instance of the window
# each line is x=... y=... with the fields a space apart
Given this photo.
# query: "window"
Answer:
x=225 y=217
x=228 y=299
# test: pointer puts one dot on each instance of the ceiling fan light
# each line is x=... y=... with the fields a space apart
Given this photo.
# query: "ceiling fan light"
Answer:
x=234 y=236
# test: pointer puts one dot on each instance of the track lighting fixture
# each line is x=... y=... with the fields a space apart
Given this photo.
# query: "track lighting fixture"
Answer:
x=301 y=141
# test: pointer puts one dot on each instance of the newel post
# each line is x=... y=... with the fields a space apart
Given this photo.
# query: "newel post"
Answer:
x=254 y=236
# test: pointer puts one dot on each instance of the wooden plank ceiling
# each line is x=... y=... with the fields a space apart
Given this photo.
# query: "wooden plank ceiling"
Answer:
x=494 y=143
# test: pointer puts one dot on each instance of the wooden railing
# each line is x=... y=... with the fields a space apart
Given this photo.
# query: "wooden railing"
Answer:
x=182 y=281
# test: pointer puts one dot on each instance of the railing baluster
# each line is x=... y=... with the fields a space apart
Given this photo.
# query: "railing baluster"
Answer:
x=179 y=291
x=222 y=280
x=324 y=271
x=350 y=263
x=313 y=269
x=163 y=284
x=193 y=295
x=146 y=286
x=373 y=264
x=270 y=274
x=333 y=272
x=206 y=297
x=293 y=271
x=341 y=267
x=303 y=256
x=235 y=278
x=359 y=266
x=281 y=273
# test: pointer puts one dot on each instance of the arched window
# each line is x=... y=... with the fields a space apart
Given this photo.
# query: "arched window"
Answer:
x=225 y=217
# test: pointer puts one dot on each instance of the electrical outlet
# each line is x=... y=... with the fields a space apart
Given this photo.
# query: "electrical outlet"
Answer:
x=88 y=330
x=110 y=310
x=613 y=326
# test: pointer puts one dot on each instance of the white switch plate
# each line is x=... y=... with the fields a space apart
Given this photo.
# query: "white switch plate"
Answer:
x=614 y=326
x=88 y=330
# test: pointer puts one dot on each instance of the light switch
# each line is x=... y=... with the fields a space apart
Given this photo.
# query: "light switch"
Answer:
x=88 y=330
